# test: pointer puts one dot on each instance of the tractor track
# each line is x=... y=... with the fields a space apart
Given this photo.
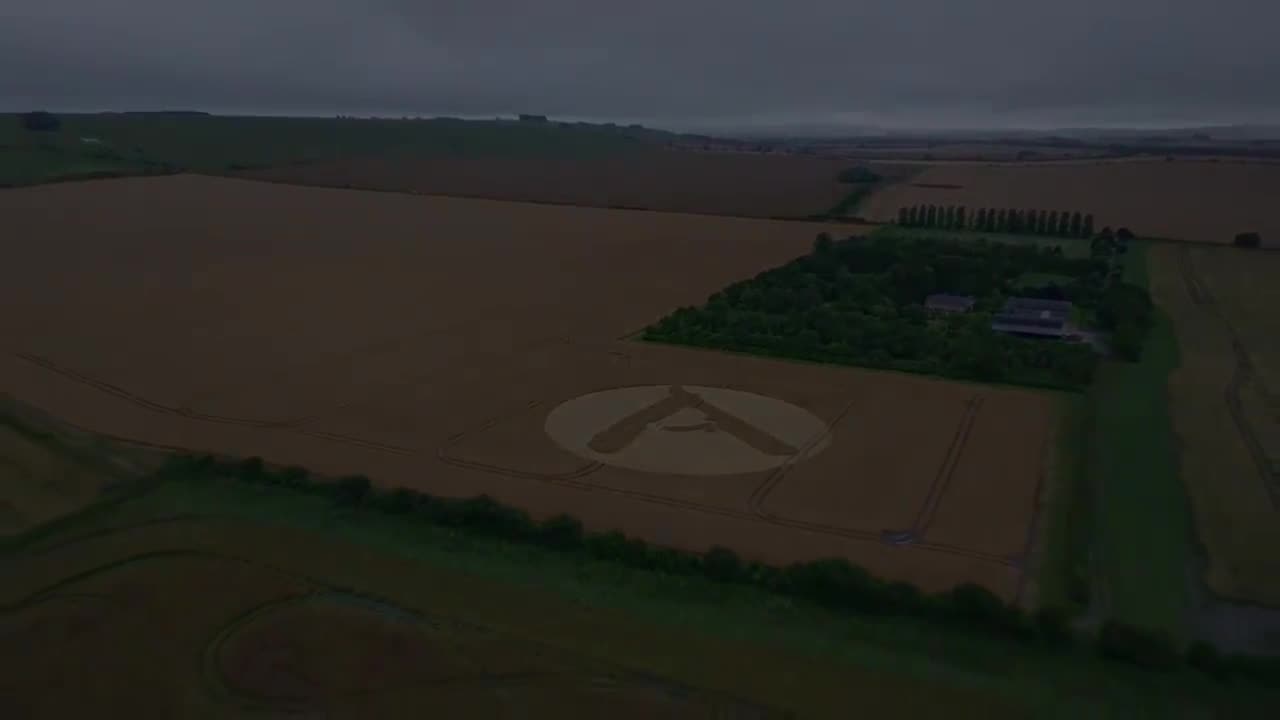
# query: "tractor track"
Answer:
x=573 y=479
x=755 y=514
x=1242 y=375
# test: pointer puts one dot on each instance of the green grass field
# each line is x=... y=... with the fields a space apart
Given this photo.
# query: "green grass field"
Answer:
x=1142 y=536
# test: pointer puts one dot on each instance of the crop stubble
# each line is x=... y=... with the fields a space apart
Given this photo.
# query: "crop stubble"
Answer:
x=422 y=341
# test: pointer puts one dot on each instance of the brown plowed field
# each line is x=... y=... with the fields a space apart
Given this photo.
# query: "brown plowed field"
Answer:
x=1196 y=200
x=423 y=341
x=747 y=185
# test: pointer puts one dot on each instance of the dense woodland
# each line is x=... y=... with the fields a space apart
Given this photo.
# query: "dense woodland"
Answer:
x=860 y=301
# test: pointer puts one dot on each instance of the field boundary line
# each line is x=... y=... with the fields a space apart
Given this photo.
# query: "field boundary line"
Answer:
x=760 y=495
x=142 y=402
x=942 y=480
x=1034 y=531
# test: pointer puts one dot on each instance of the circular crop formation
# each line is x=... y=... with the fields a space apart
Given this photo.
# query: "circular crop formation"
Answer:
x=686 y=430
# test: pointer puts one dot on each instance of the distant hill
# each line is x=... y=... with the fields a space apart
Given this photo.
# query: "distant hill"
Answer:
x=165 y=113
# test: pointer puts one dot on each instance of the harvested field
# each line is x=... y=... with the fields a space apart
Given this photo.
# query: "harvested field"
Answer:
x=748 y=185
x=426 y=342
x=1195 y=200
x=1225 y=411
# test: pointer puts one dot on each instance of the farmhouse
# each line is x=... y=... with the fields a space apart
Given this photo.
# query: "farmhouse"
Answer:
x=1033 y=317
x=943 y=303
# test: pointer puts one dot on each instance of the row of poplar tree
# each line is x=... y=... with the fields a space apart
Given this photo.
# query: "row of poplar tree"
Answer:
x=1001 y=220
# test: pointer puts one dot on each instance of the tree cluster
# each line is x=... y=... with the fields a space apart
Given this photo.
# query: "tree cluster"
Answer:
x=1248 y=240
x=833 y=583
x=998 y=220
x=861 y=302
x=40 y=121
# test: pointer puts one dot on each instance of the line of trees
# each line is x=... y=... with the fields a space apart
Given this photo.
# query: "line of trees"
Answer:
x=1248 y=240
x=999 y=220
x=832 y=583
x=40 y=121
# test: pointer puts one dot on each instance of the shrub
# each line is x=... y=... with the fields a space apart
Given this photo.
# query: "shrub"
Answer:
x=1248 y=240
x=351 y=490
x=397 y=502
x=294 y=476
x=1140 y=646
x=488 y=515
x=40 y=121
x=562 y=532
x=612 y=546
x=974 y=604
x=1205 y=657
x=723 y=564
x=253 y=470
x=1053 y=626
x=835 y=583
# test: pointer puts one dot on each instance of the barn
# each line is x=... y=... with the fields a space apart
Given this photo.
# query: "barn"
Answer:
x=1034 y=317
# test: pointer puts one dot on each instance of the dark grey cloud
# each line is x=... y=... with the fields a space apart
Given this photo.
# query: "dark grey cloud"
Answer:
x=679 y=62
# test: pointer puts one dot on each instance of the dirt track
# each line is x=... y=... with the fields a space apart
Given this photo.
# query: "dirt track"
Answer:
x=423 y=341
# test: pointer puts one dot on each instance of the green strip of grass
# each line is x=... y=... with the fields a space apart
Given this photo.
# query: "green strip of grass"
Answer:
x=1064 y=565
x=1045 y=683
x=1142 y=524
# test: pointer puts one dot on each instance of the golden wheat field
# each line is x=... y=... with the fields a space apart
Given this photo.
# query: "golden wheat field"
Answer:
x=1197 y=200
x=468 y=346
x=1225 y=411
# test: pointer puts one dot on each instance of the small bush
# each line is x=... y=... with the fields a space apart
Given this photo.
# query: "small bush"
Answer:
x=723 y=564
x=40 y=121
x=294 y=477
x=836 y=583
x=1205 y=657
x=1053 y=626
x=489 y=516
x=351 y=490
x=400 y=501
x=562 y=532
x=1248 y=240
x=1142 y=647
x=253 y=470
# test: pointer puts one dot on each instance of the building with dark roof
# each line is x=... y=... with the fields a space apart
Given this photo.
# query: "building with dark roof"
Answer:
x=1034 y=326
x=1035 y=307
x=1034 y=317
x=949 y=303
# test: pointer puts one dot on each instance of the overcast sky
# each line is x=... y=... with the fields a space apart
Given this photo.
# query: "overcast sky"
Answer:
x=678 y=63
